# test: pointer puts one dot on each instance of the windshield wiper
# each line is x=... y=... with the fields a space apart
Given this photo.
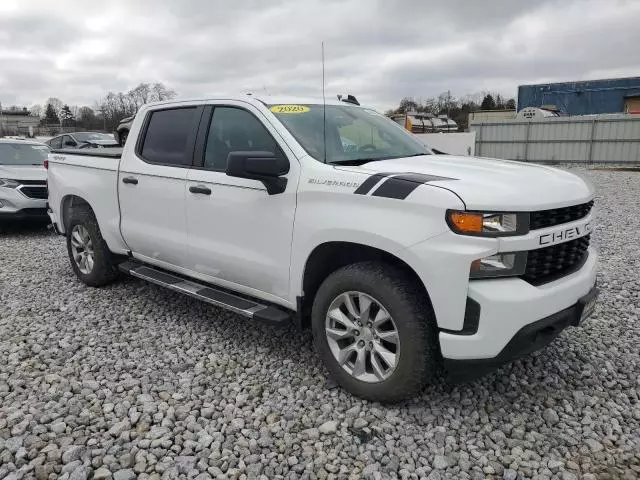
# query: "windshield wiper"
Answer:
x=362 y=161
x=356 y=161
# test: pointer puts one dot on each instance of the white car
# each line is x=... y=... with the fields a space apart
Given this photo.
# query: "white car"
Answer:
x=23 y=179
x=83 y=140
x=397 y=258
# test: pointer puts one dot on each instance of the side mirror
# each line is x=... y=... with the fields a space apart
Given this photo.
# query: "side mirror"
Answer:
x=265 y=167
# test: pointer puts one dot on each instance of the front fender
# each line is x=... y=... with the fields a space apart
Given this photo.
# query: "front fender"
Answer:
x=387 y=224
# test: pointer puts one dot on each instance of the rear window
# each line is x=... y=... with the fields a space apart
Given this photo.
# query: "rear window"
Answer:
x=167 y=136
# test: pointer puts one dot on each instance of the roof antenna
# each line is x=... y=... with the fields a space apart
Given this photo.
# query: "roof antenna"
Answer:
x=324 y=110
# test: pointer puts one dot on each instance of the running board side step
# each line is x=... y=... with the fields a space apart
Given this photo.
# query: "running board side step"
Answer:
x=248 y=308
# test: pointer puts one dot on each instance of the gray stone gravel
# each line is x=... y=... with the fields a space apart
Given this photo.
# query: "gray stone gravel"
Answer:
x=134 y=381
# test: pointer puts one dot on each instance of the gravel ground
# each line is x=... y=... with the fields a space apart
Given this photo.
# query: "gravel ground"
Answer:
x=132 y=380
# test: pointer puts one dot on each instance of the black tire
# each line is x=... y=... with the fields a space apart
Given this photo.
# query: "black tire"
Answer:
x=123 y=137
x=419 y=359
x=104 y=270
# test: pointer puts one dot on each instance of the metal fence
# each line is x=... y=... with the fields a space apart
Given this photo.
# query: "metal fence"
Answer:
x=41 y=130
x=583 y=139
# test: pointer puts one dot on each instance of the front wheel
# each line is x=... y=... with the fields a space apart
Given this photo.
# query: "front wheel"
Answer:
x=90 y=258
x=375 y=331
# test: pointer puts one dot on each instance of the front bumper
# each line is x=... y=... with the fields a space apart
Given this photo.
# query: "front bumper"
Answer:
x=15 y=205
x=528 y=339
x=509 y=304
x=25 y=214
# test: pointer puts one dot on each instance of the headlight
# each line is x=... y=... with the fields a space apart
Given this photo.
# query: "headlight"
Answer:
x=8 y=183
x=487 y=224
x=499 y=265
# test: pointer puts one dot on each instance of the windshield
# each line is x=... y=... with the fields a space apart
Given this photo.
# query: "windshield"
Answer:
x=92 y=136
x=353 y=135
x=22 y=154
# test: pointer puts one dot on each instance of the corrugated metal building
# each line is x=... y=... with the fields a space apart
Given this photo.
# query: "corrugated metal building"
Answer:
x=585 y=139
x=614 y=95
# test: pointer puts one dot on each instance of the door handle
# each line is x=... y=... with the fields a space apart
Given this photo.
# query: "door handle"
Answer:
x=131 y=180
x=200 y=189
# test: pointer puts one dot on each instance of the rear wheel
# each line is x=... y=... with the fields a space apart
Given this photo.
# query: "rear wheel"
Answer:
x=375 y=331
x=90 y=257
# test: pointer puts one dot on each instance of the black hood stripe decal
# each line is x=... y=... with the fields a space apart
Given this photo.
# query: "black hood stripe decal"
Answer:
x=396 y=187
x=370 y=182
x=400 y=186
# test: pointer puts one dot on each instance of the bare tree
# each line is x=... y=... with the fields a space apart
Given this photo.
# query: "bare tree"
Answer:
x=116 y=106
x=56 y=104
x=36 y=111
x=140 y=95
x=160 y=93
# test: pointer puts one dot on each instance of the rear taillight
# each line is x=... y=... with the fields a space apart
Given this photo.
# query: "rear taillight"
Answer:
x=46 y=164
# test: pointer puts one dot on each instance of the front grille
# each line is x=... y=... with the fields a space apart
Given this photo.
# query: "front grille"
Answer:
x=35 y=192
x=557 y=216
x=32 y=182
x=551 y=263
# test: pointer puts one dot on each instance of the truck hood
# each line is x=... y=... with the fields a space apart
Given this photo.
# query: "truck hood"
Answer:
x=491 y=184
x=23 y=172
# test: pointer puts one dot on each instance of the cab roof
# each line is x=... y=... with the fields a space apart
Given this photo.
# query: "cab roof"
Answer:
x=263 y=99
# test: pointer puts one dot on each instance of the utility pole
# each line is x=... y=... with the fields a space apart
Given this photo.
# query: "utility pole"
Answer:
x=104 y=120
x=1 y=122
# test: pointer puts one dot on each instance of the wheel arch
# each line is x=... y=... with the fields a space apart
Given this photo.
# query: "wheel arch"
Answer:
x=67 y=204
x=330 y=256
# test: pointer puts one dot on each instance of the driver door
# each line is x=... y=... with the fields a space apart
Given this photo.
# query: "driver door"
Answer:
x=239 y=236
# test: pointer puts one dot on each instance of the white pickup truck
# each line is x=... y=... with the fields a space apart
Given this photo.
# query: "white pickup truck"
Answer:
x=334 y=217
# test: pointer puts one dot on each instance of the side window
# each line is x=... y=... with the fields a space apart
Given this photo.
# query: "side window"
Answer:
x=167 y=135
x=56 y=142
x=67 y=141
x=233 y=130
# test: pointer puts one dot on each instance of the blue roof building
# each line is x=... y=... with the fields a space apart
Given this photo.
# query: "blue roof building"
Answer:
x=584 y=98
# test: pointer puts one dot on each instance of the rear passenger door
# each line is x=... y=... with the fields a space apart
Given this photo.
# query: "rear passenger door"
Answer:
x=151 y=186
x=239 y=235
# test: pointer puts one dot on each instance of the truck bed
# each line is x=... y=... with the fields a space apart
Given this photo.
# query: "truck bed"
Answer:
x=90 y=174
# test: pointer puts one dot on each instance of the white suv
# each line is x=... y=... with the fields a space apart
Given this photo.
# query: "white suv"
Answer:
x=23 y=179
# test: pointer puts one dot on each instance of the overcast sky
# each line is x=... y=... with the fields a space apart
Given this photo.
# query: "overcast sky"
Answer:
x=379 y=50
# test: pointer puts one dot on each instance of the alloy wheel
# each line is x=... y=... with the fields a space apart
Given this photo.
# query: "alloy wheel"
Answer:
x=82 y=249
x=362 y=337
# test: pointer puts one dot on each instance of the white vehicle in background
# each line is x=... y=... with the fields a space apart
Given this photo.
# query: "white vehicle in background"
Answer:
x=83 y=140
x=335 y=217
x=534 y=113
x=23 y=179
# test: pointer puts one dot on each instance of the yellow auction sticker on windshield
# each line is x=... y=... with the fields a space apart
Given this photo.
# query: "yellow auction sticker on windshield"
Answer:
x=289 y=109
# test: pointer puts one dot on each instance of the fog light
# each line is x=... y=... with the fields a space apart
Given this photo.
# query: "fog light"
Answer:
x=499 y=265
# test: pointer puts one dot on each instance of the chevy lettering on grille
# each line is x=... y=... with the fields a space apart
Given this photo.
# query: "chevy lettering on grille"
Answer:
x=565 y=234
